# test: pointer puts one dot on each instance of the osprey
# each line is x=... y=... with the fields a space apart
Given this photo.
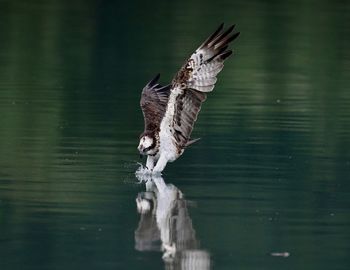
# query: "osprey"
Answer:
x=170 y=111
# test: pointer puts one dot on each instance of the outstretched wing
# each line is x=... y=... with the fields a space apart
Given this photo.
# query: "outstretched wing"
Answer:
x=197 y=77
x=154 y=99
x=200 y=70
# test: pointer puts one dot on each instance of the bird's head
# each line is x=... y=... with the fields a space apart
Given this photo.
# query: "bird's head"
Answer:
x=147 y=145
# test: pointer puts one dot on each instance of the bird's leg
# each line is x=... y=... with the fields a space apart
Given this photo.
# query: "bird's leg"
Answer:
x=150 y=162
x=160 y=164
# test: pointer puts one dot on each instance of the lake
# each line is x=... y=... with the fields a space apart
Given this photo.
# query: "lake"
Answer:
x=266 y=187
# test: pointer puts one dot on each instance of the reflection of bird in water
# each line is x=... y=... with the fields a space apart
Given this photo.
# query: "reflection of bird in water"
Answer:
x=165 y=225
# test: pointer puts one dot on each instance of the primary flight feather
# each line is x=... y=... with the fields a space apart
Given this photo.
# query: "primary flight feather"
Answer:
x=170 y=111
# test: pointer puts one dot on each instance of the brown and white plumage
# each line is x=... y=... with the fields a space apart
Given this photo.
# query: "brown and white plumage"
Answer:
x=154 y=100
x=171 y=111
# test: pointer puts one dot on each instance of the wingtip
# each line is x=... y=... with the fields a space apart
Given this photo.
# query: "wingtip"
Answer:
x=233 y=37
x=226 y=54
x=220 y=28
x=213 y=35
x=231 y=28
x=154 y=80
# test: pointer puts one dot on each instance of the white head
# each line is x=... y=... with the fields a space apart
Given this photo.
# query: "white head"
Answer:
x=147 y=145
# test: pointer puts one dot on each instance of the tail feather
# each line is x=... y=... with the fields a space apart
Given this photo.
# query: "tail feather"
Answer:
x=192 y=142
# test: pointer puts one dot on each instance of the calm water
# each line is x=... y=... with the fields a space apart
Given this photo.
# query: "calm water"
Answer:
x=271 y=173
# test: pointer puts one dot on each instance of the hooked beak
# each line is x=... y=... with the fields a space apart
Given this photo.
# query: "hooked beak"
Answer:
x=141 y=149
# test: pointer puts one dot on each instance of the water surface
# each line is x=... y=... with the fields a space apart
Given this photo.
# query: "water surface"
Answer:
x=271 y=173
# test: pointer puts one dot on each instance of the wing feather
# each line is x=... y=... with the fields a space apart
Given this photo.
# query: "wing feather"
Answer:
x=154 y=100
x=200 y=70
x=196 y=78
x=187 y=107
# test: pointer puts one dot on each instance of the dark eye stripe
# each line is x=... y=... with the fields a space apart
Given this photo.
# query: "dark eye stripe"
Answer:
x=148 y=148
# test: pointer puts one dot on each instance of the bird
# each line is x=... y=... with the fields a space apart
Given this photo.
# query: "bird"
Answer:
x=171 y=111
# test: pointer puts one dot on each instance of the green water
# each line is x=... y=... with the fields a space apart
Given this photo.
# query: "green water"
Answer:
x=271 y=173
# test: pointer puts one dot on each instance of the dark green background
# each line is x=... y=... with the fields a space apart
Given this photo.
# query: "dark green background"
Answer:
x=271 y=172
